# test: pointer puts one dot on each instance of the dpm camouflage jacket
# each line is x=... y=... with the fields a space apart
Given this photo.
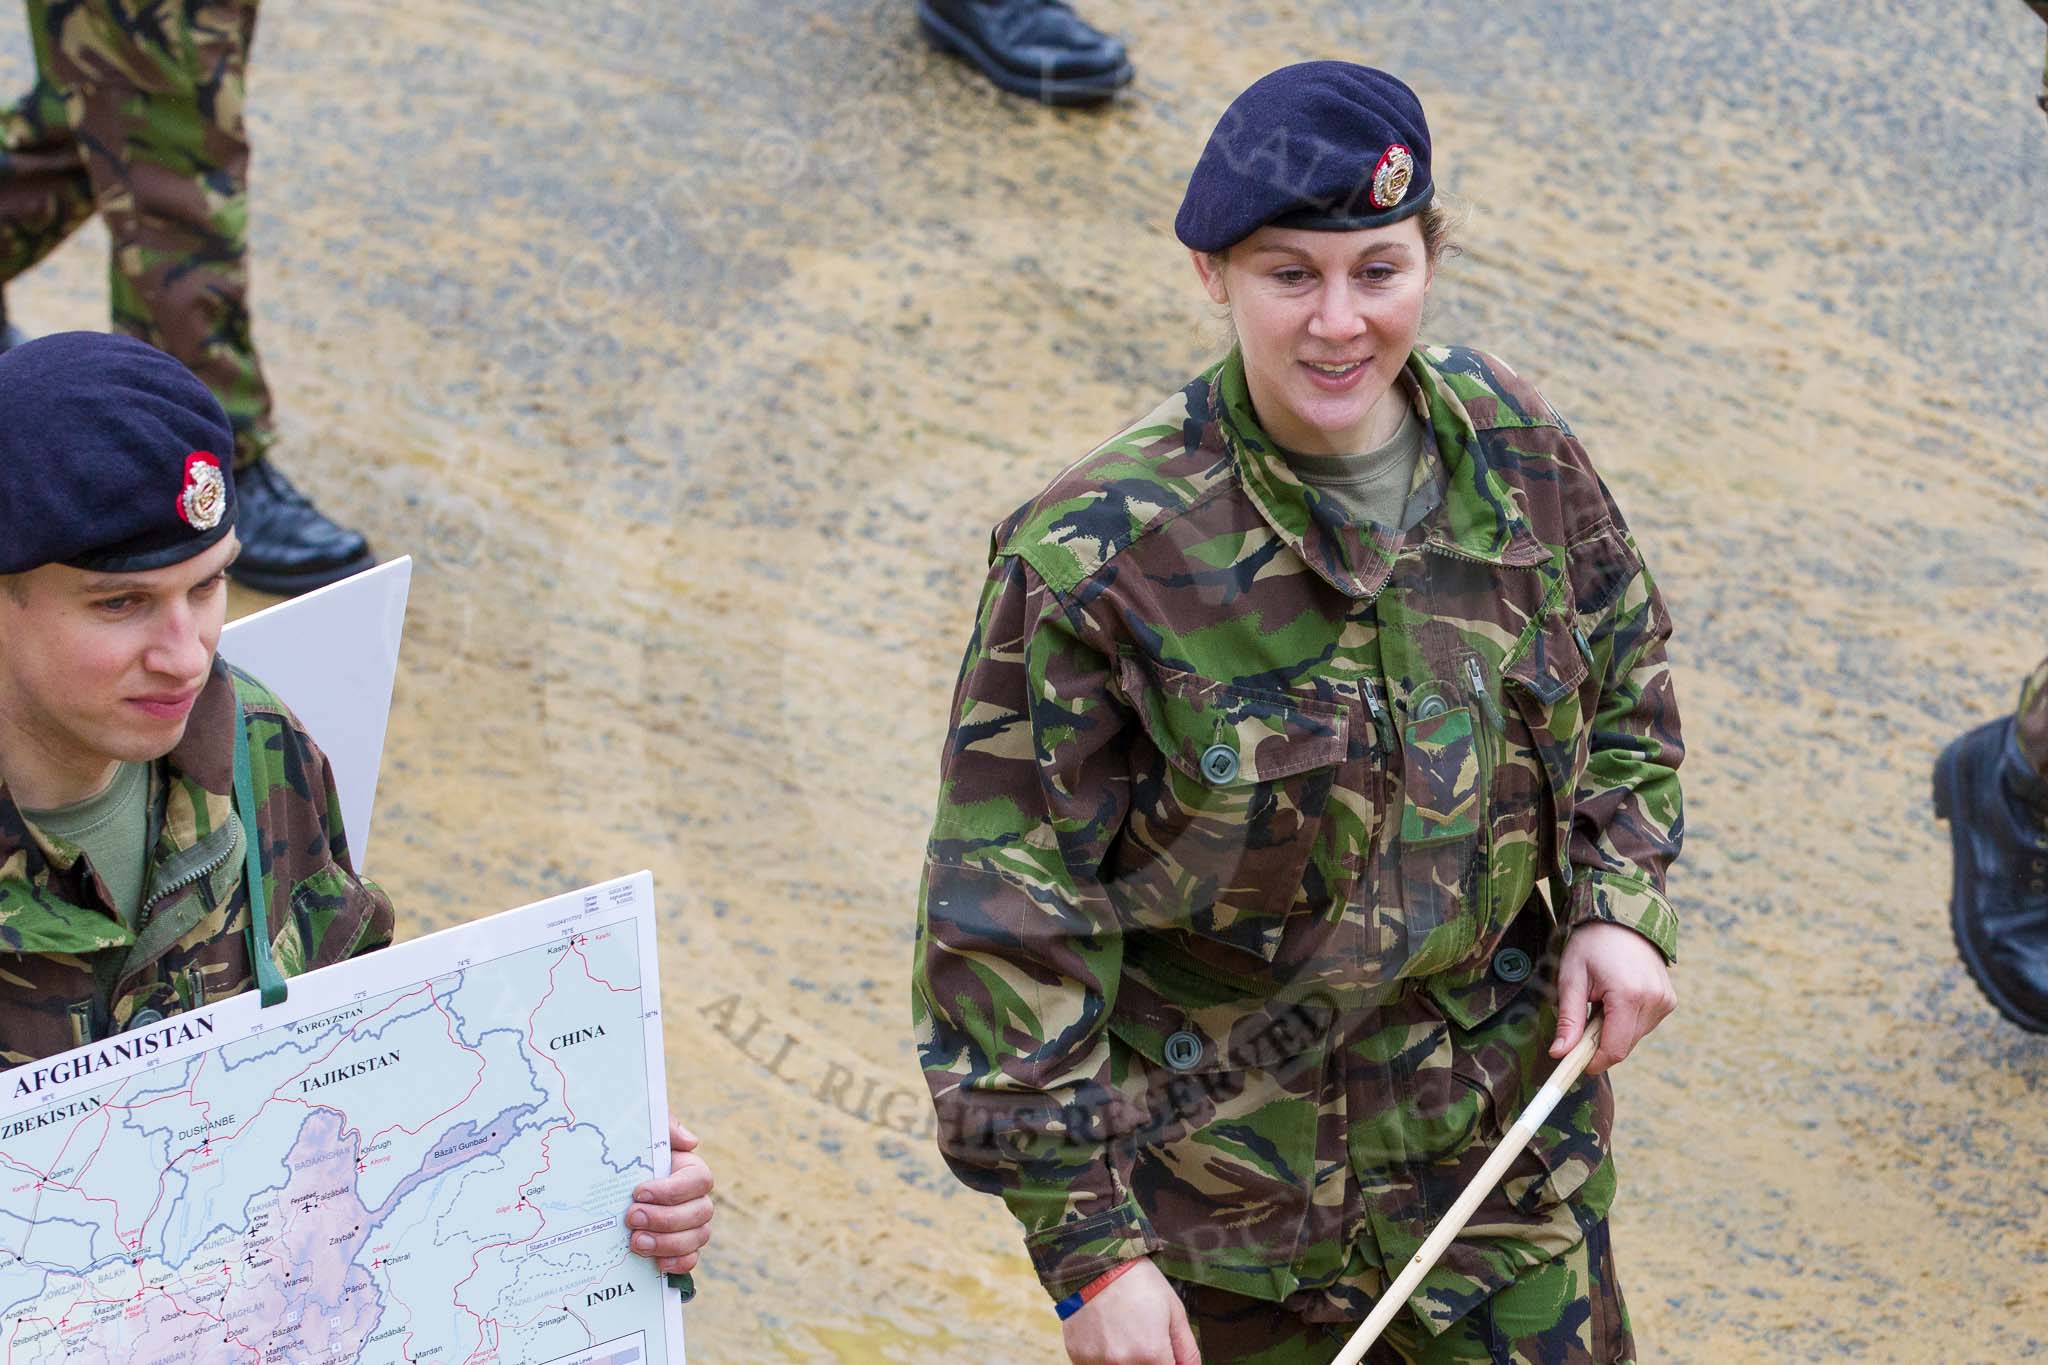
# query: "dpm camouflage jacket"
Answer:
x=1231 y=949
x=71 y=972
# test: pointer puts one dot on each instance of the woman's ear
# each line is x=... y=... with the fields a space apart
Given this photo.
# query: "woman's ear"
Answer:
x=1209 y=265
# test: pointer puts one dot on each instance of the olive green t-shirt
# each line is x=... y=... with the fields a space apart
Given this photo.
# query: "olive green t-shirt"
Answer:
x=112 y=829
x=1372 y=486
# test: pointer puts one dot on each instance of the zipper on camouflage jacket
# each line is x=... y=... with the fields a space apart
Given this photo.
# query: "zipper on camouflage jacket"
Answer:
x=204 y=863
x=1483 y=695
x=199 y=871
x=1383 y=739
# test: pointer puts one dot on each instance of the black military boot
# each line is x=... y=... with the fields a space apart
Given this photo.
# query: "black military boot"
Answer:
x=1036 y=48
x=287 y=546
x=1997 y=809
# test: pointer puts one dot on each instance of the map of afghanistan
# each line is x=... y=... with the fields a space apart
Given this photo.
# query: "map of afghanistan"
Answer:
x=424 y=1155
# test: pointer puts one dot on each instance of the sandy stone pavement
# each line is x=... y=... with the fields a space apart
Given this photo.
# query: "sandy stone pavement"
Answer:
x=693 y=347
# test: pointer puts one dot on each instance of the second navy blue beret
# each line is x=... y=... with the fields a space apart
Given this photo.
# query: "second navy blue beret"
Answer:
x=1322 y=145
x=113 y=457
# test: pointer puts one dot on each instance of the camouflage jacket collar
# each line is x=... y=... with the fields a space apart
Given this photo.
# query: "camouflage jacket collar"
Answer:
x=37 y=917
x=1476 y=517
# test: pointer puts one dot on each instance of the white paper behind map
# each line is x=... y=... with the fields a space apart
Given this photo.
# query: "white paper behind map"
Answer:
x=333 y=656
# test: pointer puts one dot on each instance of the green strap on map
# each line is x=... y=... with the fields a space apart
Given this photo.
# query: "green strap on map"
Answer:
x=269 y=981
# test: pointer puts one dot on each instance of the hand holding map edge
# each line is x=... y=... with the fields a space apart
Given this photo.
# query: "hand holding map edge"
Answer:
x=671 y=1217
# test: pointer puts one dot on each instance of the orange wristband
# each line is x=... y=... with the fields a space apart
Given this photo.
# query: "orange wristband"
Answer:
x=1076 y=1301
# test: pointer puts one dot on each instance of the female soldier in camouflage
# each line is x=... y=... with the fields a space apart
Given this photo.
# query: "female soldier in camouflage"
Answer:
x=1234 y=957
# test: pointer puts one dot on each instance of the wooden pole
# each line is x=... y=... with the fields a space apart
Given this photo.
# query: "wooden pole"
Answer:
x=1490 y=1174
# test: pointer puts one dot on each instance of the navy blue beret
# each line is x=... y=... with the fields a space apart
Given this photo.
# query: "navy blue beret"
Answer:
x=1331 y=146
x=113 y=458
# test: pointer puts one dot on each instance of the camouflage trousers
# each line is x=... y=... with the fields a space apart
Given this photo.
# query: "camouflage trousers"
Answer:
x=136 y=114
x=1567 y=1311
x=2030 y=725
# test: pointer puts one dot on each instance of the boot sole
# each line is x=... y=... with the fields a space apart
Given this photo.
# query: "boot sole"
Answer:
x=1946 y=802
x=1073 y=90
x=291 y=584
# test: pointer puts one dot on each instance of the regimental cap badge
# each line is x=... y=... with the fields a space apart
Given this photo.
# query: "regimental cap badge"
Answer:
x=1390 y=178
x=204 y=500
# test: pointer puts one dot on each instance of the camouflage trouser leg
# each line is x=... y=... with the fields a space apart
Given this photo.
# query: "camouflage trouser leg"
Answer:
x=1567 y=1311
x=44 y=191
x=2030 y=725
x=153 y=90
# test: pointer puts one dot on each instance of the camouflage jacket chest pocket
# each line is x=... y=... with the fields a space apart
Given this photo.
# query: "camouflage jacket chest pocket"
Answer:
x=1228 y=789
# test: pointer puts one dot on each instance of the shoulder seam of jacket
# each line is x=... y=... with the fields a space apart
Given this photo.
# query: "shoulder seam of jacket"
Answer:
x=1027 y=549
x=255 y=696
x=1548 y=416
x=1120 y=547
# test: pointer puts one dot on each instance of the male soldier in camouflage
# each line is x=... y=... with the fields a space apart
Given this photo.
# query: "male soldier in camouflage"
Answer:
x=1991 y=785
x=123 y=894
x=136 y=114
x=1279 y=711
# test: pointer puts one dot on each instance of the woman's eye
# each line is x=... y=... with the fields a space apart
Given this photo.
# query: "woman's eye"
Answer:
x=1378 y=274
x=1291 y=276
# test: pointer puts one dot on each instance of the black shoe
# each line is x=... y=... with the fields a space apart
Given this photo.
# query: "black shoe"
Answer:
x=1037 y=48
x=287 y=546
x=1997 y=809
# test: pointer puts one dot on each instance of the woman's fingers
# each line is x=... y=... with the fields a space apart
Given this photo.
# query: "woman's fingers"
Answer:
x=1620 y=1026
x=1181 y=1336
x=1571 y=1002
x=1624 y=973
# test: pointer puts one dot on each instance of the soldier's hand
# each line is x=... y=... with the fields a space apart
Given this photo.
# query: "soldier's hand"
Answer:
x=670 y=1217
x=1616 y=967
x=1137 y=1320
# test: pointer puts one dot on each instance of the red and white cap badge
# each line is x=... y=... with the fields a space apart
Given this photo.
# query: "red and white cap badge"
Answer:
x=1390 y=178
x=204 y=500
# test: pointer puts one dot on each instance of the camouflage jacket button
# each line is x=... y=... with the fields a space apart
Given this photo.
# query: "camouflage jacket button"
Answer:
x=1219 y=763
x=144 y=1019
x=1512 y=964
x=1183 y=1050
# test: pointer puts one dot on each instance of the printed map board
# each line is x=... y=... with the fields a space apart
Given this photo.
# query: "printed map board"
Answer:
x=422 y=1155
